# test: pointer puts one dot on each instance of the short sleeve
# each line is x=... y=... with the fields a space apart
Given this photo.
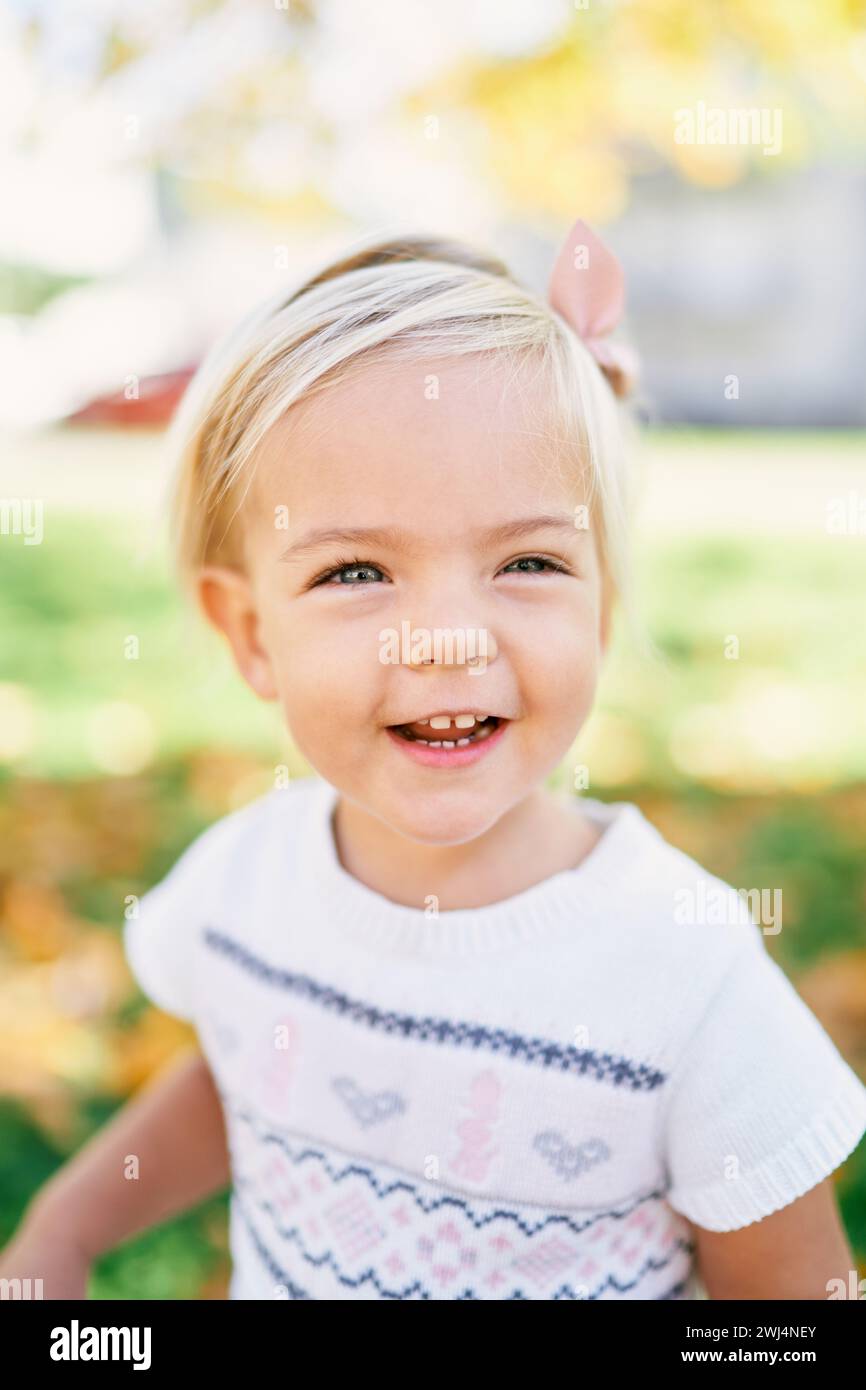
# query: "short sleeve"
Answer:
x=762 y=1104
x=159 y=939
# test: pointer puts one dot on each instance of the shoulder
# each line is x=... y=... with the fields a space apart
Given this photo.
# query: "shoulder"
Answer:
x=686 y=928
x=229 y=870
x=238 y=844
x=670 y=895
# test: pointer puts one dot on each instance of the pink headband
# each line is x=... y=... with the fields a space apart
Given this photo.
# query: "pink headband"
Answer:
x=588 y=289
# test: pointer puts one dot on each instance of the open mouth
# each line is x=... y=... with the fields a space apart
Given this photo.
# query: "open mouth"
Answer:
x=482 y=730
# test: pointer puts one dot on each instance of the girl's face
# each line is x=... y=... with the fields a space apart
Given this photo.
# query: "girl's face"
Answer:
x=416 y=500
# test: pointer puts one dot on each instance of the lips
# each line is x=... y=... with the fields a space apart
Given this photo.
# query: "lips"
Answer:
x=451 y=753
x=423 y=733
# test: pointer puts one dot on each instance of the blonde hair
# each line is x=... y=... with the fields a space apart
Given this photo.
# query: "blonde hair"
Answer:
x=413 y=296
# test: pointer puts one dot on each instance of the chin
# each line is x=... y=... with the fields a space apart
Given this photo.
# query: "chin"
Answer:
x=445 y=820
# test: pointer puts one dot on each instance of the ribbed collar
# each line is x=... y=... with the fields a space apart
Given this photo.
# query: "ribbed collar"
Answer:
x=563 y=902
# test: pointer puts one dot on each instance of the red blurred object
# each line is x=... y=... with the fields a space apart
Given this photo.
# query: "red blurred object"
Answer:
x=154 y=404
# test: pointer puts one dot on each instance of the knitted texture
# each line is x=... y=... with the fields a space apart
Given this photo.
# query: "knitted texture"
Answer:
x=519 y=1101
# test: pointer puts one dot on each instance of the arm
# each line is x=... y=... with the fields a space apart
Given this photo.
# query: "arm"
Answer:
x=791 y=1254
x=175 y=1129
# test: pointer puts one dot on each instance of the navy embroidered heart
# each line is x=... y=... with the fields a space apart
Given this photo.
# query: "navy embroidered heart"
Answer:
x=368 y=1108
x=570 y=1160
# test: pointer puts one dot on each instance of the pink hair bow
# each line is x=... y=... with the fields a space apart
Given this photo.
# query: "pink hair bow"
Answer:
x=587 y=288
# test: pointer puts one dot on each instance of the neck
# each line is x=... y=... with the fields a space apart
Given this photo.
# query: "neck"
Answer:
x=542 y=835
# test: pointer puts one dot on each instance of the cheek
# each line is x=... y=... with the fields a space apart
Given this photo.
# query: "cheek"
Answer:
x=567 y=683
x=325 y=667
x=560 y=656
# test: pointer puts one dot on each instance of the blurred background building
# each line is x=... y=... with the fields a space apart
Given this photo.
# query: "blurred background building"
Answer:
x=173 y=162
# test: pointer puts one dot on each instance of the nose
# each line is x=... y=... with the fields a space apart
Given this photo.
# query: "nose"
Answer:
x=449 y=622
x=472 y=647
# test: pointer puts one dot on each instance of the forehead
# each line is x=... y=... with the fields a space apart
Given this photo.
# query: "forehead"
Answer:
x=429 y=443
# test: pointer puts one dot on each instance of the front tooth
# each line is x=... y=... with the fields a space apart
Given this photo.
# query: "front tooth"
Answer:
x=465 y=721
x=440 y=721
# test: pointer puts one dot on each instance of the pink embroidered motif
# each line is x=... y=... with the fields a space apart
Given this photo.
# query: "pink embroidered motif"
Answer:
x=476 y=1131
x=277 y=1178
x=433 y=1251
x=355 y=1224
x=278 y=1062
x=545 y=1262
x=449 y=1232
x=641 y=1219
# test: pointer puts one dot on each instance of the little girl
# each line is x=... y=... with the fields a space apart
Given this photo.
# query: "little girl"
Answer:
x=462 y=1037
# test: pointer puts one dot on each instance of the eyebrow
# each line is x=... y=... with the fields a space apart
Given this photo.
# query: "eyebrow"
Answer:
x=391 y=538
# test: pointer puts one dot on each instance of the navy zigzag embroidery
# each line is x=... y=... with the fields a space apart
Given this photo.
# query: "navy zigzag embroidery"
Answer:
x=536 y=1051
x=278 y=1275
x=433 y=1204
x=677 y=1291
x=293 y=1235
x=369 y=1276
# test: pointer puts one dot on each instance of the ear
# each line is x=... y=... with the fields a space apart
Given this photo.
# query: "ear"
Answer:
x=227 y=599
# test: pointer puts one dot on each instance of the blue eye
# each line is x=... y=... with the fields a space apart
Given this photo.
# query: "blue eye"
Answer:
x=553 y=565
x=349 y=566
